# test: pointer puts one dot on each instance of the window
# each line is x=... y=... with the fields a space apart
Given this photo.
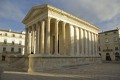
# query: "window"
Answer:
x=116 y=48
x=5 y=41
x=114 y=32
x=19 y=50
x=20 y=36
x=5 y=34
x=13 y=42
x=105 y=33
x=0 y=34
x=13 y=35
x=4 y=49
x=115 y=39
x=99 y=49
x=20 y=42
x=12 y=49
x=106 y=40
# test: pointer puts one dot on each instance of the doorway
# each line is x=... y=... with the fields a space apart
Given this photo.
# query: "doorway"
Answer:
x=108 y=58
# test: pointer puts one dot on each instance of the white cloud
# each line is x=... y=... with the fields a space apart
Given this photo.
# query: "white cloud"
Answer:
x=104 y=9
x=102 y=13
x=10 y=11
x=95 y=11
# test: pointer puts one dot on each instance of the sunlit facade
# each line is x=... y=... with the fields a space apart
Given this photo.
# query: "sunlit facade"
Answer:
x=109 y=45
x=11 y=42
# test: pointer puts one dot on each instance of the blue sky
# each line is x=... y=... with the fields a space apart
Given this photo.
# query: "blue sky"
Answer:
x=104 y=14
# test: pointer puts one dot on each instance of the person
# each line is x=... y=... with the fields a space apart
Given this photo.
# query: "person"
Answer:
x=32 y=53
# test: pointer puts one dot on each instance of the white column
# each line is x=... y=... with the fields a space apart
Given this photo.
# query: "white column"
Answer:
x=72 y=40
x=37 y=38
x=32 y=40
x=78 y=42
x=42 y=37
x=39 y=44
x=47 y=39
x=96 y=44
x=93 y=48
x=82 y=41
x=75 y=41
x=26 y=41
x=63 y=38
x=89 y=43
x=86 y=44
x=56 y=36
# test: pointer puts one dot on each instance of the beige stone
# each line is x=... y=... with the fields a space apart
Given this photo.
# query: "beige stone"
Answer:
x=63 y=39
x=109 y=47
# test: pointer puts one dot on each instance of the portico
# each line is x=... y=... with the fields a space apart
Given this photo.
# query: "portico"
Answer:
x=54 y=36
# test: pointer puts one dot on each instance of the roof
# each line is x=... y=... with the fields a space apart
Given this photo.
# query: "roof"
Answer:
x=109 y=31
x=11 y=31
x=40 y=7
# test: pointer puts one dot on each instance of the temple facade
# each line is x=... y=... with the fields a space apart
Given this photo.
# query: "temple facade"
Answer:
x=55 y=38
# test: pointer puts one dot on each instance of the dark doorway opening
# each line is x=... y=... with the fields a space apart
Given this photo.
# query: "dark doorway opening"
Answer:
x=108 y=58
x=3 y=57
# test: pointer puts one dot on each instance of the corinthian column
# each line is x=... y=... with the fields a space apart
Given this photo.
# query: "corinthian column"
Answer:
x=47 y=39
x=82 y=41
x=56 y=36
x=26 y=41
x=78 y=42
x=96 y=44
x=93 y=44
x=29 y=44
x=32 y=42
x=42 y=37
x=37 y=38
x=72 y=40
x=89 y=43
x=63 y=38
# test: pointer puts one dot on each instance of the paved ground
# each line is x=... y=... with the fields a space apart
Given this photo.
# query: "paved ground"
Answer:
x=104 y=71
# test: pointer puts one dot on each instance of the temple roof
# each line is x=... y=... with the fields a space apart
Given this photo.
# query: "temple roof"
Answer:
x=39 y=8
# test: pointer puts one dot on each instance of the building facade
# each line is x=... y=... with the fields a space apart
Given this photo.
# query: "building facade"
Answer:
x=11 y=42
x=55 y=38
x=109 y=45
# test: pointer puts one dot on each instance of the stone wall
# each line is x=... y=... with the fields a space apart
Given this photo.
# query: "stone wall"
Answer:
x=17 y=62
x=40 y=63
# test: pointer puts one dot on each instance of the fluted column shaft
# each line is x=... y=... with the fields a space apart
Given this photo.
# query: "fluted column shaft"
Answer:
x=78 y=42
x=26 y=41
x=32 y=42
x=86 y=44
x=96 y=44
x=75 y=41
x=37 y=38
x=89 y=43
x=29 y=44
x=82 y=41
x=42 y=37
x=72 y=40
x=56 y=36
x=47 y=39
x=63 y=38
x=93 y=39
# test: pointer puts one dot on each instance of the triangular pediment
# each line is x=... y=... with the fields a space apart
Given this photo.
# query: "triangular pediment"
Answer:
x=34 y=11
